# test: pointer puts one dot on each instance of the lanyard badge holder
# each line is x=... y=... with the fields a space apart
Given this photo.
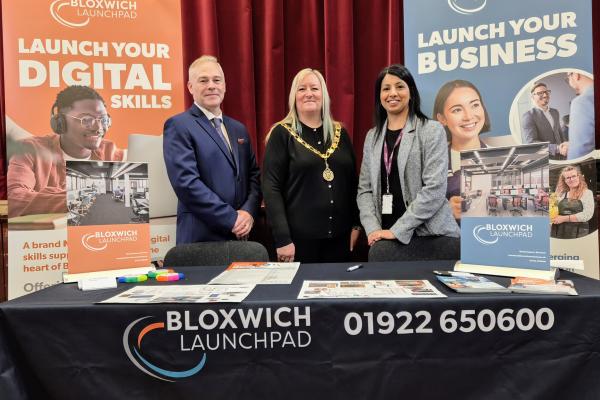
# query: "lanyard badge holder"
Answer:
x=387 y=200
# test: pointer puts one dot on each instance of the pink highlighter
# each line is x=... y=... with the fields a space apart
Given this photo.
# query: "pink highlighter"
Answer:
x=174 y=276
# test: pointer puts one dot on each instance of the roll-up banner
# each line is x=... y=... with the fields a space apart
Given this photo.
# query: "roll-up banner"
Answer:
x=504 y=73
x=81 y=77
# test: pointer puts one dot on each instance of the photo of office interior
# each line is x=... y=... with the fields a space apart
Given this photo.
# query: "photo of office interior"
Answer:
x=106 y=193
x=504 y=182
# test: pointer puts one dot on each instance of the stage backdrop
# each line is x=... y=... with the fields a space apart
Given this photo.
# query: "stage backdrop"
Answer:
x=128 y=51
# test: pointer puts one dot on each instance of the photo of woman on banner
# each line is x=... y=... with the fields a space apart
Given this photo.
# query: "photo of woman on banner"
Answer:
x=573 y=204
x=402 y=183
x=36 y=172
x=459 y=107
x=309 y=178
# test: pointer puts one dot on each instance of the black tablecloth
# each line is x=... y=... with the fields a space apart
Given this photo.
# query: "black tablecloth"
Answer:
x=59 y=344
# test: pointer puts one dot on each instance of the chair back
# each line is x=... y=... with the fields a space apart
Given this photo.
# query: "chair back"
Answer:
x=492 y=202
x=516 y=201
x=215 y=253
x=545 y=201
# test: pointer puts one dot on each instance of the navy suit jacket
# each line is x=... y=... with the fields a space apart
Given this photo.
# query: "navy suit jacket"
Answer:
x=211 y=182
x=536 y=128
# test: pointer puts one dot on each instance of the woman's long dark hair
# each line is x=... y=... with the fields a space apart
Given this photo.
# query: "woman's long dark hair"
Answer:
x=414 y=104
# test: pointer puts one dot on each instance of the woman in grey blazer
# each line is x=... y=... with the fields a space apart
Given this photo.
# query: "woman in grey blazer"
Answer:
x=402 y=184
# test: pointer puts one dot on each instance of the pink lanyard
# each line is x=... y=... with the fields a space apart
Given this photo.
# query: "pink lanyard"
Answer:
x=387 y=158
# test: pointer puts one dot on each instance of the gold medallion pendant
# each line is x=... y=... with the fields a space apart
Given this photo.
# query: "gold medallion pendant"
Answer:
x=328 y=174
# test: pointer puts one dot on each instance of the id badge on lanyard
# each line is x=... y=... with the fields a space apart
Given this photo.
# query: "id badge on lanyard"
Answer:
x=387 y=201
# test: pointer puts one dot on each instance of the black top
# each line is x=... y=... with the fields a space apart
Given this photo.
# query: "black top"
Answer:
x=398 y=208
x=299 y=202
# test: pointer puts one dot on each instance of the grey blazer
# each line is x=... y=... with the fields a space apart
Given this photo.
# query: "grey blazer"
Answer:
x=423 y=168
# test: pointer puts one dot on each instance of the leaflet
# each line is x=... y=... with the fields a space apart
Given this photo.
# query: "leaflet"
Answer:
x=368 y=289
x=183 y=294
x=259 y=273
x=469 y=283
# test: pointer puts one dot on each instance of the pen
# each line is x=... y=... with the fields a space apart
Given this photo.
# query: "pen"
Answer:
x=354 y=267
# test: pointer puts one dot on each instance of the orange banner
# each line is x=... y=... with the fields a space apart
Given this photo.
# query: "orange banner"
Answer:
x=108 y=247
x=128 y=51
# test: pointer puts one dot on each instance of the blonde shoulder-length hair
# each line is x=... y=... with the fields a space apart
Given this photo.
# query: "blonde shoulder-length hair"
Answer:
x=292 y=119
x=562 y=187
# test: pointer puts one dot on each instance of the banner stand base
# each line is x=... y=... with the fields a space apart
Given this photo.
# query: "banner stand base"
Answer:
x=113 y=273
x=506 y=271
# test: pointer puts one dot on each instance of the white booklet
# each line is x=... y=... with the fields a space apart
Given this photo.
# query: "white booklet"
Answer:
x=183 y=294
x=258 y=273
x=368 y=289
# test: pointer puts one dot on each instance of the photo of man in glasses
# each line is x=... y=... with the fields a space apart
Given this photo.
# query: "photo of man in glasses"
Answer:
x=37 y=174
x=542 y=123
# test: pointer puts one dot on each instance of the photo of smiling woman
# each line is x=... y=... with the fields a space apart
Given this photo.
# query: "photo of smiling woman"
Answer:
x=309 y=178
x=575 y=203
x=402 y=184
x=460 y=109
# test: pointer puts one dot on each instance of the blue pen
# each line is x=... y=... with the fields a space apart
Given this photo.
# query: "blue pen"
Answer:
x=354 y=267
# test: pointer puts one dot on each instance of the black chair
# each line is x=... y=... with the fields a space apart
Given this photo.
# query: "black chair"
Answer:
x=141 y=214
x=420 y=248
x=215 y=253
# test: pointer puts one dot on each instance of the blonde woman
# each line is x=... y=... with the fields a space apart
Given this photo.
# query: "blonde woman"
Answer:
x=309 y=178
x=575 y=202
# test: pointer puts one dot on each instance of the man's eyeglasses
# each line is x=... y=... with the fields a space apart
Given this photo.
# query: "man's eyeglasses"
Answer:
x=543 y=92
x=89 y=122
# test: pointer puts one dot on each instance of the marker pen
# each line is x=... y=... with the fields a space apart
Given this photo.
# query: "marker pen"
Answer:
x=354 y=267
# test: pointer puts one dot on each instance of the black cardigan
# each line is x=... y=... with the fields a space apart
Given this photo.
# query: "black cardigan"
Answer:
x=299 y=202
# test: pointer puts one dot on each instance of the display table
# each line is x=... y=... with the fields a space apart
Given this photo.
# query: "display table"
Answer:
x=59 y=344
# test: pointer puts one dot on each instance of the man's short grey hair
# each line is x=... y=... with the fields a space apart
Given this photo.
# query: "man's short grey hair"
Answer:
x=201 y=60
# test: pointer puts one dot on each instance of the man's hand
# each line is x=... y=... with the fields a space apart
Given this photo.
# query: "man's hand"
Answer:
x=243 y=224
x=563 y=148
x=286 y=253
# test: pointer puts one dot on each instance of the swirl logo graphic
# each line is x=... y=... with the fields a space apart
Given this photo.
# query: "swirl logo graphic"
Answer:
x=134 y=350
x=55 y=8
x=478 y=230
x=476 y=6
x=85 y=241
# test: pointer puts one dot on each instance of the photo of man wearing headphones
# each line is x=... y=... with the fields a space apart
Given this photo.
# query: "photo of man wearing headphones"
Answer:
x=37 y=172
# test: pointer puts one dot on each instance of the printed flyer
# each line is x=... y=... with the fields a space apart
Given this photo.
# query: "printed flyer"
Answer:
x=505 y=220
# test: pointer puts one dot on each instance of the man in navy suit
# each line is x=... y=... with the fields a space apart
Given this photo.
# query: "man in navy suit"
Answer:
x=541 y=123
x=210 y=163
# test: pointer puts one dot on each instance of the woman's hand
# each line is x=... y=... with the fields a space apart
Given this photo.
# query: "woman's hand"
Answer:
x=354 y=238
x=559 y=219
x=286 y=253
x=455 y=205
x=378 y=235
